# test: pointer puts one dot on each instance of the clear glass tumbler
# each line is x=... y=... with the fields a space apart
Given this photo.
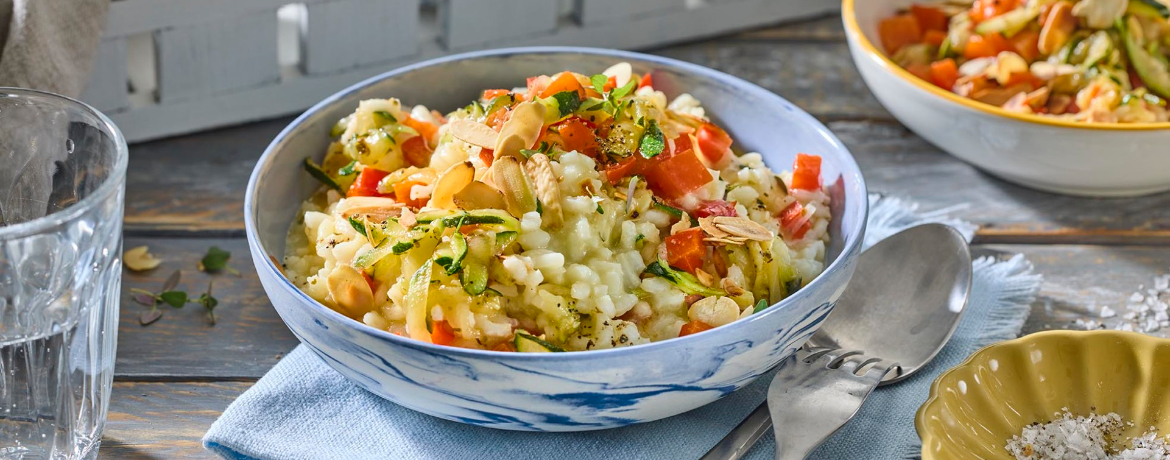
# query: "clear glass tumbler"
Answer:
x=62 y=181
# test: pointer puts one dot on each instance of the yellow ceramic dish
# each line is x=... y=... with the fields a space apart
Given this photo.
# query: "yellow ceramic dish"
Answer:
x=974 y=408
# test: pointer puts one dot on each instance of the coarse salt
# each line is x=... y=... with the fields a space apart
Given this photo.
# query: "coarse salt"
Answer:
x=1069 y=437
x=1145 y=310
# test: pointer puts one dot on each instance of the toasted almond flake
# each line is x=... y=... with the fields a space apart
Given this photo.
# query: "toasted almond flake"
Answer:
x=743 y=228
x=521 y=130
x=376 y=208
x=708 y=225
x=453 y=180
x=548 y=189
x=621 y=73
x=732 y=289
x=704 y=277
x=478 y=195
x=511 y=146
x=473 y=133
x=140 y=259
x=350 y=291
x=735 y=242
x=681 y=226
x=1045 y=70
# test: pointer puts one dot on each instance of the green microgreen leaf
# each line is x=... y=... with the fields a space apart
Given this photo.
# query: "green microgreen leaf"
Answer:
x=599 y=82
x=175 y=299
x=593 y=107
x=760 y=306
x=215 y=260
x=348 y=170
x=653 y=142
x=619 y=93
x=209 y=303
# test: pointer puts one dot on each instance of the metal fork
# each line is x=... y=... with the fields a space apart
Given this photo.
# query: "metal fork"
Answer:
x=808 y=402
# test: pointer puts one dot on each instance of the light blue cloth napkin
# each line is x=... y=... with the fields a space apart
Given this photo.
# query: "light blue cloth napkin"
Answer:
x=302 y=409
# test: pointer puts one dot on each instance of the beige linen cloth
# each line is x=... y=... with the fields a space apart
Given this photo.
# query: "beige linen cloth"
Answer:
x=50 y=44
x=47 y=45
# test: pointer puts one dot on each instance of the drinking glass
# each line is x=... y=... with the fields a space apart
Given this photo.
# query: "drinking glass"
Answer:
x=62 y=181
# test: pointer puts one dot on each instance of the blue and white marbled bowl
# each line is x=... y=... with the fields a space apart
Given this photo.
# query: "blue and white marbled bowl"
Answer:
x=560 y=391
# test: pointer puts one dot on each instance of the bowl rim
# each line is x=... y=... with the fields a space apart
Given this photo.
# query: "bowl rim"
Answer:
x=925 y=435
x=269 y=268
x=853 y=28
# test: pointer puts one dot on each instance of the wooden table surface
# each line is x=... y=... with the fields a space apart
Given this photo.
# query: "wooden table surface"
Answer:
x=185 y=194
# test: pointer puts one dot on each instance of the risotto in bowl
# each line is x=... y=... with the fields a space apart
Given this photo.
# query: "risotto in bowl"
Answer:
x=554 y=239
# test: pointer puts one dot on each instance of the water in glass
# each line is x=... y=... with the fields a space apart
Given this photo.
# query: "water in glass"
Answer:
x=62 y=180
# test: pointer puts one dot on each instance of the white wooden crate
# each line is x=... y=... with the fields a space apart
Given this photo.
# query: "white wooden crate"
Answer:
x=167 y=67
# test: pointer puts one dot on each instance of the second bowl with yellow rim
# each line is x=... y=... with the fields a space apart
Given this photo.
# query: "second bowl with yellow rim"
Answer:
x=1040 y=152
x=976 y=407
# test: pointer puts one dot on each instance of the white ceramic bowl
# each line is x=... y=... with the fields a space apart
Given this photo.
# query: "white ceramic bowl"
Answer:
x=1039 y=152
x=575 y=391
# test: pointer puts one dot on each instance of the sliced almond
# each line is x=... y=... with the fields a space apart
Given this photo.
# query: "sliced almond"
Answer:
x=140 y=259
x=708 y=225
x=1045 y=70
x=350 y=291
x=548 y=189
x=732 y=289
x=510 y=180
x=453 y=180
x=521 y=130
x=478 y=195
x=998 y=96
x=473 y=133
x=704 y=277
x=621 y=73
x=1006 y=65
x=376 y=208
x=743 y=228
x=1058 y=27
x=511 y=146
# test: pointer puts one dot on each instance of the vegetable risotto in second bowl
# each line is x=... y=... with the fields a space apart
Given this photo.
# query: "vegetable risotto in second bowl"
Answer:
x=579 y=212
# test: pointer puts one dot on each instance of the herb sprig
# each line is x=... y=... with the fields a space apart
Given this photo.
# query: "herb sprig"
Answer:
x=216 y=260
x=173 y=298
x=610 y=100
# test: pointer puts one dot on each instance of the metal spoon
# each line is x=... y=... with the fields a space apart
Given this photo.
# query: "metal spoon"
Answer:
x=903 y=304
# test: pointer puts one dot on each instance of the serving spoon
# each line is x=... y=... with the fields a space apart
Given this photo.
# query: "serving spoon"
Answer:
x=902 y=305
